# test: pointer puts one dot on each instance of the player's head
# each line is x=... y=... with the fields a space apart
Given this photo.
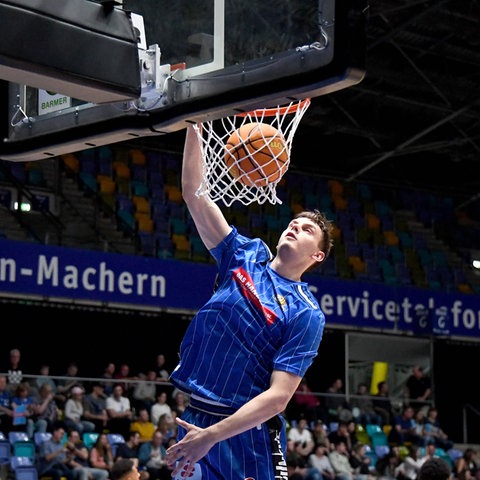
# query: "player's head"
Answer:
x=326 y=227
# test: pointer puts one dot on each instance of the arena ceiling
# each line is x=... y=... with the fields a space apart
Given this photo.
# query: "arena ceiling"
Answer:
x=414 y=120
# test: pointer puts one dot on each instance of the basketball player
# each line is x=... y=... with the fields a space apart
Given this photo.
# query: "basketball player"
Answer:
x=247 y=349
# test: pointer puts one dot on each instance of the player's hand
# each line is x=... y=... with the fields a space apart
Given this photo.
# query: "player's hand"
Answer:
x=184 y=454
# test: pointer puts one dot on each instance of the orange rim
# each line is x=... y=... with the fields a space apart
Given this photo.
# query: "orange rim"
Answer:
x=270 y=112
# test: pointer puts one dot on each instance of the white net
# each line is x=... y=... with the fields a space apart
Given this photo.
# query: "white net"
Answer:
x=218 y=182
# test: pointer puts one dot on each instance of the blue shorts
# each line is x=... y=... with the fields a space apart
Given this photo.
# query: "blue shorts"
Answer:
x=257 y=454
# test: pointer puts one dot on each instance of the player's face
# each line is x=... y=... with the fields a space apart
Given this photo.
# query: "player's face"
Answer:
x=304 y=237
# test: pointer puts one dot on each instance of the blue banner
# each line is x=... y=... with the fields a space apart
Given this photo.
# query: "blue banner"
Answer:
x=51 y=272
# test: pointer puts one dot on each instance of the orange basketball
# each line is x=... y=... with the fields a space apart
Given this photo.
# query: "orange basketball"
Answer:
x=256 y=154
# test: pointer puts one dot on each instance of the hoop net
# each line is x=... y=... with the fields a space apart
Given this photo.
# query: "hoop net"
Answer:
x=217 y=181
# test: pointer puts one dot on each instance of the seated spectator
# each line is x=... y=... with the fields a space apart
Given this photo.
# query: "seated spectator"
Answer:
x=341 y=434
x=336 y=405
x=382 y=404
x=320 y=435
x=6 y=412
x=363 y=403
x=466 y=467
x=340 y=462
x=126 y=383
x=168 y=427
x=65 y=384
x=163 y=374
x=304 y=404
x=143 y=426
x=22 y=405
x=130 y=450
x=107 y=375
x=52 y=457
x=101 y=455
x=153 y=456
x=319 y=459
x=404 y=429
x=302 y=438
x=360 y=462
x=145 y=391
x=119 y=412
x=409 y=468
x=433 y=430
x=95 y=407
x=160 y=407
x=73 y=412
x=45 y=409
x=180 y=403
x=298 y=467
x=78 y=454
x=45 y=378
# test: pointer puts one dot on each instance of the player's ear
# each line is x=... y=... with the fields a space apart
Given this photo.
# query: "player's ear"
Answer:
x=318 y=256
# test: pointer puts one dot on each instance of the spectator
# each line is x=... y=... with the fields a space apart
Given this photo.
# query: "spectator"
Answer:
x=160 y=407
x=95 y=407
x=14 y=370
x=143 y=426
x=365 y=412
x=145 y=391
x=180 y=403
x=466 y=467
x=108 y=374
x=65 y=384
x=153 y=456
x=78 y=455
x=433 y=430
x=382 y=404
x=130 y=449
x=386 y=466
x=319 y=459
x=320 y=435
x=360 y=462
x=340 y=461
x=336 y=405
x=45 y=409
x=124 y=378
x=162 y=373
x=52 y=458
x=302 y=438
x=101 y=455
x=404 y=429
x=168 y=427
x=6 y=412
x=435 y=469
x=45 y=378
x=341 y=434
x=119 y=412
x=22 y=404
x=418 y=388
x=409 y=468
x=73 y=412
x=297 y=465
x=304 y=403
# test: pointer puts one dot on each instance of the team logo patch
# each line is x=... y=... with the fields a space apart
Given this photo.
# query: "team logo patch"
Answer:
x=281 y=301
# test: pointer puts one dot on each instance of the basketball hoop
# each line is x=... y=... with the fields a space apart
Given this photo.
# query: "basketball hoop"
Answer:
x=217 y=182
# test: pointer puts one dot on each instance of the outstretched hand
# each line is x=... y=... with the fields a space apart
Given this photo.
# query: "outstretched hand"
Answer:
x=194 y=446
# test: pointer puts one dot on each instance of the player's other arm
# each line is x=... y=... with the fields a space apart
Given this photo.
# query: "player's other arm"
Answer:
x=209 y=220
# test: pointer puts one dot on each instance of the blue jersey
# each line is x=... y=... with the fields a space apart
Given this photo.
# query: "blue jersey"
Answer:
x=255 y=322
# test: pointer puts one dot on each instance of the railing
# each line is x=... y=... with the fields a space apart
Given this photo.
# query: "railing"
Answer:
x=466 y=409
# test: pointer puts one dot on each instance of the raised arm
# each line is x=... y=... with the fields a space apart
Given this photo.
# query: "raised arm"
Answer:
x=209 y=220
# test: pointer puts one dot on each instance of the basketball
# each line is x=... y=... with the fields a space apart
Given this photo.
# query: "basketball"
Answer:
x=256 y=154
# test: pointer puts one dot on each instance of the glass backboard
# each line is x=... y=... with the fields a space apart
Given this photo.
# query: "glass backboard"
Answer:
x=198 y=61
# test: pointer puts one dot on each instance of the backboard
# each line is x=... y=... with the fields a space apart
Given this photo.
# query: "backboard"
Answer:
x=197 y=61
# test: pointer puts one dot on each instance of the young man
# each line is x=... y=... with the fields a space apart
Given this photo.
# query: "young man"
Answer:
x=247 y=349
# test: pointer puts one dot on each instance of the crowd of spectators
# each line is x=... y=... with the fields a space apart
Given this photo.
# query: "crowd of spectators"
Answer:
x=323 y=442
